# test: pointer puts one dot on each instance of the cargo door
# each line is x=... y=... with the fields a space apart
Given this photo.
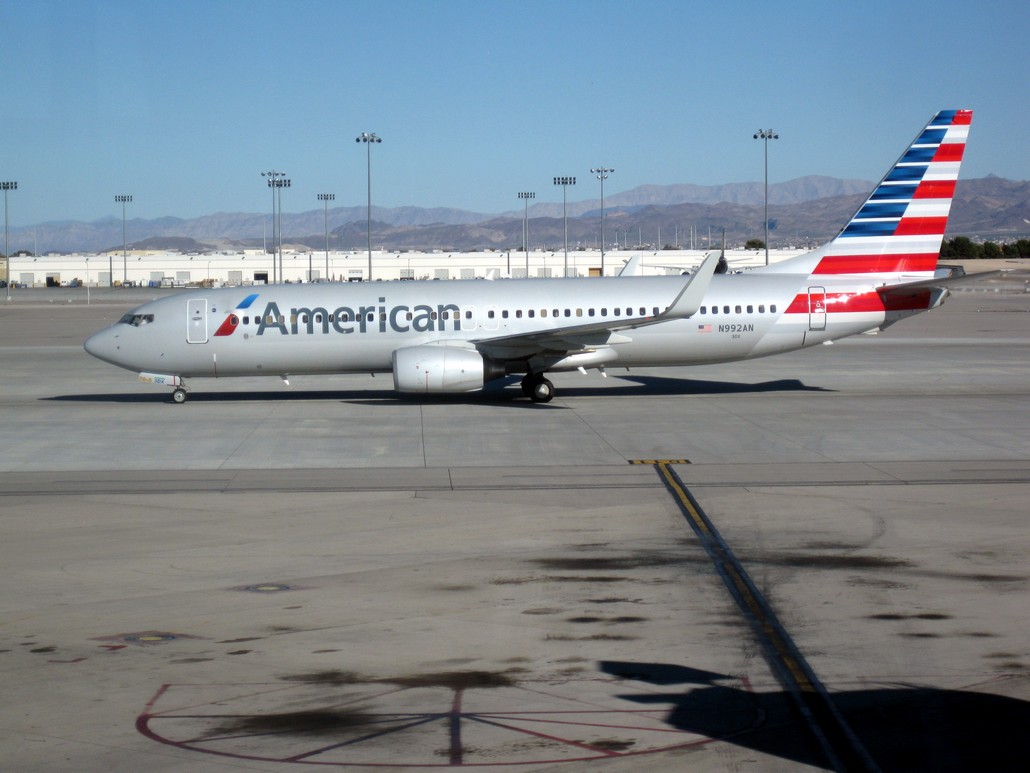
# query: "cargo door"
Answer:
x=196 y=321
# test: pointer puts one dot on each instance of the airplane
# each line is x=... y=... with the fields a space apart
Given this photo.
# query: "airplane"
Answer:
x=455 y=337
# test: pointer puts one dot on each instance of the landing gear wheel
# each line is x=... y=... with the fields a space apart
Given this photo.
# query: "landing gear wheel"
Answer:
x=179 y=395
x=543 y=391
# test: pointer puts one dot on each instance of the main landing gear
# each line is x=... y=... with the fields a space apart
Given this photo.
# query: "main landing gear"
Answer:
x=537 y=388
x=180 y=394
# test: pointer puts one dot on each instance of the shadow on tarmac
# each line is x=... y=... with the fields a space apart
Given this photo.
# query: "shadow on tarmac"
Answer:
x=902 y=727
x=500 y=393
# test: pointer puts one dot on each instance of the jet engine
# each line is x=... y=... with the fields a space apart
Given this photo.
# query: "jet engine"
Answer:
x=439 y=369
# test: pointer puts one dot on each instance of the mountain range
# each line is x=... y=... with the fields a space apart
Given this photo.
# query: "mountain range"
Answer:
x=801 y=211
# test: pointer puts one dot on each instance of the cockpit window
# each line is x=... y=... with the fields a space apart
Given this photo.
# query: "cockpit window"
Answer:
x=136 y=319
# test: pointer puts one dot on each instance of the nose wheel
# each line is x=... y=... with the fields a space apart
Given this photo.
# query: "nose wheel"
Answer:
x=537 y=388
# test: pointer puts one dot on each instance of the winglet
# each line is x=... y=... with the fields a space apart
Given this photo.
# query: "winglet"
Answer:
x=689 y=300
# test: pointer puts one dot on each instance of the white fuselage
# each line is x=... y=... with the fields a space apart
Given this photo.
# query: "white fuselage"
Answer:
x=350 y=328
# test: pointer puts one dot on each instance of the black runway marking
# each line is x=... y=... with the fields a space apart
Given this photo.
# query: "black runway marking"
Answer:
x=843 y=749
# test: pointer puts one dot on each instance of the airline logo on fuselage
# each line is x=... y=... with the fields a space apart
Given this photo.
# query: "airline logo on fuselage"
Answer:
x=345 y=320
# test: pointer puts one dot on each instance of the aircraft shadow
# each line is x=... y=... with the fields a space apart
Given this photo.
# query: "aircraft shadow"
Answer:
x=502 y=393
x=902 y=727
x=666 y=386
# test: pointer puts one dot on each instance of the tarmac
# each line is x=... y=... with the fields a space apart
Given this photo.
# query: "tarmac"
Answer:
x=814 y=561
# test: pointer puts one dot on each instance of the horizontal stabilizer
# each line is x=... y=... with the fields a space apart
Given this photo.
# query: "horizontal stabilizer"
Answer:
x=927 y=293
x=938 y=281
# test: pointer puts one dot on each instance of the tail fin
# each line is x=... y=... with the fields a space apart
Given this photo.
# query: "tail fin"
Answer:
x=899 y=229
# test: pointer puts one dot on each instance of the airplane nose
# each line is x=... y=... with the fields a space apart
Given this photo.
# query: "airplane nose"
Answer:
x=102 y=345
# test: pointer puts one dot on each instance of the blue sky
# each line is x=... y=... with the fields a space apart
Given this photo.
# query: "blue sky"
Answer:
x=182 y=104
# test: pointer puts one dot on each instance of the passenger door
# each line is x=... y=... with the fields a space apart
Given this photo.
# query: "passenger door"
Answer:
x=196 y=321
x=817 y=308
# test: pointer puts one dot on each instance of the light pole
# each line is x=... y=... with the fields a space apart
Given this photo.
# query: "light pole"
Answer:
x=369 y=138
x=279 y=185
x=275 y=179
x=766 y=135
x=9 y=185
x=326 y=198
x=526 y=196
x=602 y=175
x=123 y=200
x=565 y=182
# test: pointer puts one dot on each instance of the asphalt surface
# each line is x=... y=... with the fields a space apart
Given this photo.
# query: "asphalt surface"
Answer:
x=818 y=562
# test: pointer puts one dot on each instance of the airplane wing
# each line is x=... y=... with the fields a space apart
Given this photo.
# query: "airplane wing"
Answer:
x=570 y=338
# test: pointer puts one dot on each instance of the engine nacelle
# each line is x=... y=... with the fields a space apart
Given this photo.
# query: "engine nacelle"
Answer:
x=436 y=369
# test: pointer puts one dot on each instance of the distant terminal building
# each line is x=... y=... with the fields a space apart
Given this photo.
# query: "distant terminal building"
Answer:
x=250 y=267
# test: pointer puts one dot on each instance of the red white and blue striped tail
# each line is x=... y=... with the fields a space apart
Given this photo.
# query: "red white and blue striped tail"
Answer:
x=899 y=230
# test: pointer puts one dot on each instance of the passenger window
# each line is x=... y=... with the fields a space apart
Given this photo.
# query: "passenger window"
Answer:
x=643 y=312
x=531 y=312
x=750 y=309
x=704 y=310
x=246 y=320
x=654 y=311
x=554 y=312
x=604 y=312
x=590 y=312
x=772 y=308
x=504 y=314
x=518 y=313
x=490 y=314
x=737 y=309
x=761 y=308
x=616 y=311
x=568 y=312
x=543 y=312
x=725 y=309
x=468 y=315
x=579 y=312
